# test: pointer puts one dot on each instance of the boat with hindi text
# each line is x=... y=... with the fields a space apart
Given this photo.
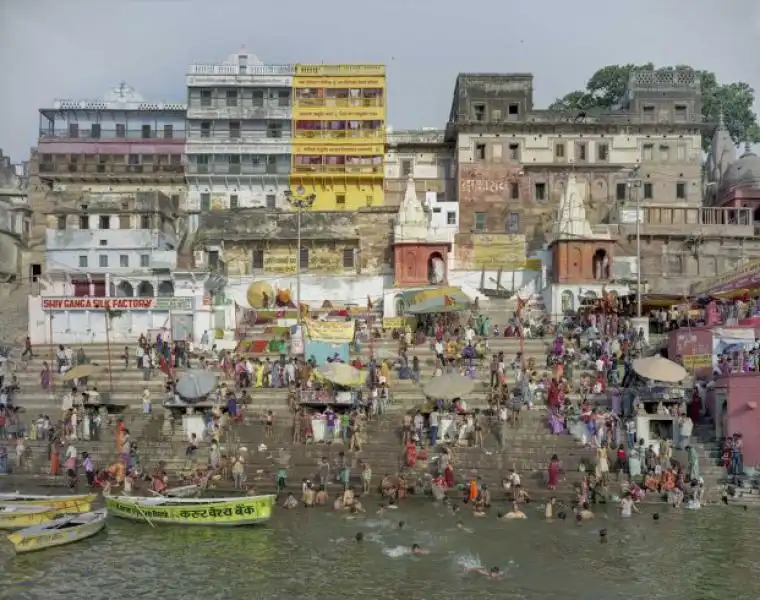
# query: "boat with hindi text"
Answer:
x=64 y=504
x=215 y=512
x=59 y=532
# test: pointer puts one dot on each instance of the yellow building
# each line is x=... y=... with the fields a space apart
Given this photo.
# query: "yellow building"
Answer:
x=339 y=134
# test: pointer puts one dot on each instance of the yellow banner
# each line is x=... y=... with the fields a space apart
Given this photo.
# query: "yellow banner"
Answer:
x=397 y=322
x=336 y=113
x=338 y=83
x=307 y=146
x=500 y=251
x=331 y=331
x=344 y=70
x=533 y=264
x=280 y=263
x=697 y=361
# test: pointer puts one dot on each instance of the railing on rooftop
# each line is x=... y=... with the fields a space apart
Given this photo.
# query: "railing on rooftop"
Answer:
x=250 y=70
x=126 y=135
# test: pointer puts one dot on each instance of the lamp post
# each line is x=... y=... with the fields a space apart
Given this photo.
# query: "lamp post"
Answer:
x=634 y=182
x=300 y=201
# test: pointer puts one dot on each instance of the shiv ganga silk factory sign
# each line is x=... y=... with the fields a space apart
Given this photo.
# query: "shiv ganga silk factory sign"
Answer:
x=161 y=303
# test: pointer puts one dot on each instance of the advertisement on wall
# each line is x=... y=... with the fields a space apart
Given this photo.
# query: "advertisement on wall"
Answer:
x=493 y=182
x=498 y=251
x=162 y=303
x=730 y=342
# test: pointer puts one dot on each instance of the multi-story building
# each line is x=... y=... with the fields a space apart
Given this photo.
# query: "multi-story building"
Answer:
x=115 y=145
x=239 y=134
x=339 y=134
x=15 y=220
x=513 y=161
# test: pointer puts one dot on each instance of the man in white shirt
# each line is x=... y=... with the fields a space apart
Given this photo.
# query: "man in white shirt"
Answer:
x=434 y=420
x=439 y=353
x=503 y=416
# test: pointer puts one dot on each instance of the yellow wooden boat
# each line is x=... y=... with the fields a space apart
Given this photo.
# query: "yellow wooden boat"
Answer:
x=216 y=512
x=20 y=516
x=64 y=504
x=59 y=532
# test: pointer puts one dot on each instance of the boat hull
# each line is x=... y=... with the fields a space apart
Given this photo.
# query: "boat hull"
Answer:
x=222 y=512
x=64 y=504
x=21 y=517
x=41 y=537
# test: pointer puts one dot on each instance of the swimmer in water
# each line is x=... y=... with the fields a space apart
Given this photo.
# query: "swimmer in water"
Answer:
x=418 y=550
x=549 y=509
x=515 y=513
x=492 y=573
x=353 y=513
x=401 y=524
x=585 y=512
x=460 y=525
x=290 y=502
x=602 y=536
x=359 y=537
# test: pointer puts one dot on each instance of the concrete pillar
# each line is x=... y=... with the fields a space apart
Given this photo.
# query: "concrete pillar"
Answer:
x=641 y=323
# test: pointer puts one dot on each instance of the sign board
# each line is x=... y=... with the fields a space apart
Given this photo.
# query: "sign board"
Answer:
x=498 y=251
x=162 y=303
x=331 y=331
x=629 y=215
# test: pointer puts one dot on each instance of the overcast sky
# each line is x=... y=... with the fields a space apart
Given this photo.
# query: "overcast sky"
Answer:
x=81 y=48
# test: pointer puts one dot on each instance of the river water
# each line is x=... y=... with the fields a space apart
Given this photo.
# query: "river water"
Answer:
x=312 y=555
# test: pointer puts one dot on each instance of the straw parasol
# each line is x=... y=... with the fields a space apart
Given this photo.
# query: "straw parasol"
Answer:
x=342 y=374
x=80 y=372
x=658 y=368
x=449 y=386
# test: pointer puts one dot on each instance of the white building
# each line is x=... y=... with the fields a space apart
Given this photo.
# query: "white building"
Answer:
x=239 y=135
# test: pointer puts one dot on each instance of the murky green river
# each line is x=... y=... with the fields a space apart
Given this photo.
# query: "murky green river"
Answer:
x=311 y=554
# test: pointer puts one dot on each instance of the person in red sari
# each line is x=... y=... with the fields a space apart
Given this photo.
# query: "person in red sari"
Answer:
x=553 y=394
x=448 y=476
x=553 y=472
x=695 y=406
x=411 y=454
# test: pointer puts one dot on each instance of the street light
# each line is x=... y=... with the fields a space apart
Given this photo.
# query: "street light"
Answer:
x=300 y=201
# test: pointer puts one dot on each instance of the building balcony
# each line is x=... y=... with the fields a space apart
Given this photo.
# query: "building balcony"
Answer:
x=105 y=172
x=109 y=240
x=368 y=171
x=116 y=135
x=340 y=70
x=338 y=103
x=242 y=169
x=695 y=221
x=240 y=113
x=373 y=135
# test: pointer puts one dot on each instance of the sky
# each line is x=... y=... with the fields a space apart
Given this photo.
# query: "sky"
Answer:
x=81 y=48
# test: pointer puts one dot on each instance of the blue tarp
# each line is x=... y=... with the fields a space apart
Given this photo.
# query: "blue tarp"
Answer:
x=321 y=351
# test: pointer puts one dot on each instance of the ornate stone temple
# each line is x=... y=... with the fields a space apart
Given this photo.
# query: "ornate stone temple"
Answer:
x=580 y=258
x=420 y=254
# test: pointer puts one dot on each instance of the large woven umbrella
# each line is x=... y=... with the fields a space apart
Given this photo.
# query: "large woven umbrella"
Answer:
x=449 y=386
x=658 y=368
x=80 y=372
x=195 y=383
x=342 y=374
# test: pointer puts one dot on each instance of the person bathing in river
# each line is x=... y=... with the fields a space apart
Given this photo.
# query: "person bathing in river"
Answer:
x=492 y=573
x=418 y=550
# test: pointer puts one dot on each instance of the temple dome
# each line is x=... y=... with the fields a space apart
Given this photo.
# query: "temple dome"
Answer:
x=744 y=172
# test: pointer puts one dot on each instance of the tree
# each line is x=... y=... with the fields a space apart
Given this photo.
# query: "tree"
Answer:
x=607 y=89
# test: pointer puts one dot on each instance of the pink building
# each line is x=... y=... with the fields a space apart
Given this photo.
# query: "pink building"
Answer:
x=734 y=402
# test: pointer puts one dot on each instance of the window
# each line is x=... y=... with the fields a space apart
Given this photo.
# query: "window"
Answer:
x=145 y=260
x=559 y=150
x=234 y=160
x=234 y=130
x=540 y=192
x=206 y=129
x=168 y=132
x=103 y=261
x=205 y=201
x=95 y=131
x=82 y=262
x=496 y=152
x=84 y=222
x=340 y=200
x=514 y=111
x=125 y=222
x=145 y=222
x=304 y=258
x=620 y=192
x=674 y=264
x=213 y=260
x=205 y=97
x=647 y=114
x=368 y=200
x=451 y=218
x=232 y=98
x=233 y=201
x=348 y=258
x=406 y=167
x=73 y=130
x=681 y=190
x=602 y=152
x=514 y=190
x=104 y=222
x=681 y=152
x=146 y=132
x=480 y=221
x=257 y=259
x=581 y=153
x=123 y=261
x=496 y=115
x=480 y=112
x=271 y=201
x=681 y=112
x=102 y=243
x=61 y=222
x=121 y=130
x=664 y=152
x=283 y=98
x=647 y=151
x=514 y=152
x=648 y=191
x=480 y=151
x=258 y=98
x=513 y=223
x=274 y=130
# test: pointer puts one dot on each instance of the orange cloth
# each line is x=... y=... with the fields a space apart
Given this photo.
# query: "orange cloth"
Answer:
x=473 y=491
